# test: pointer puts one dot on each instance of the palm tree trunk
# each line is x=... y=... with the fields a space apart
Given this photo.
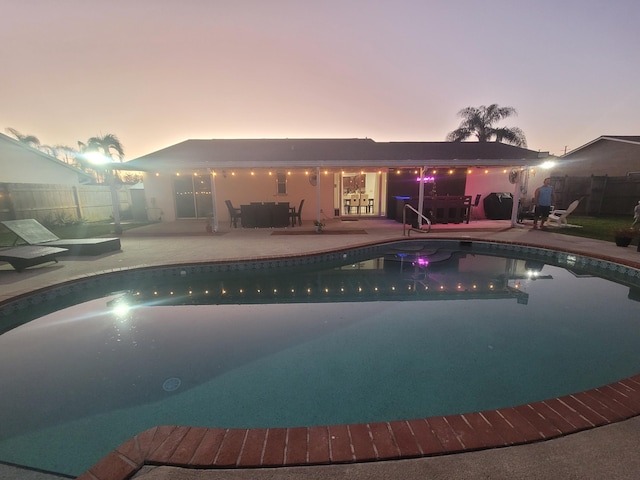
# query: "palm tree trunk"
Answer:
x=115 y=203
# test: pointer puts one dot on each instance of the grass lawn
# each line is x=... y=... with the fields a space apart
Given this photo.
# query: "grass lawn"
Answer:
x=600 y=228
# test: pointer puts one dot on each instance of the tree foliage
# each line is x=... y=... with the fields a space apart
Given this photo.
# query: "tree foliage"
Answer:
x=108 y=145
x=30 y=140
x=481 y=123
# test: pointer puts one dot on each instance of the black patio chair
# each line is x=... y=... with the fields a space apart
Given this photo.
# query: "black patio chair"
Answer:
x=234 y=214
x=473 y=206
x=293 y=214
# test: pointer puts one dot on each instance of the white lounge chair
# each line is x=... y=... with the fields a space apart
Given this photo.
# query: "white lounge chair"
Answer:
x=560 y=216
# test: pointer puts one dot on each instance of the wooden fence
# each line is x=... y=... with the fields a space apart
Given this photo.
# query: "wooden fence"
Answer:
x=601 y=195
x=61 y=203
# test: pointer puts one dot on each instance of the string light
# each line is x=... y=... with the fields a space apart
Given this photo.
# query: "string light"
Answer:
x=398 y=171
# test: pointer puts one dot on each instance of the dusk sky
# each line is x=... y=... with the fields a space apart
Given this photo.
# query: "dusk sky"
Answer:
x=157 y=72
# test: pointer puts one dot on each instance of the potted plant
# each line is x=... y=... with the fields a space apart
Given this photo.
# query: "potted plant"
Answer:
x=624 y=236
x=318 y=225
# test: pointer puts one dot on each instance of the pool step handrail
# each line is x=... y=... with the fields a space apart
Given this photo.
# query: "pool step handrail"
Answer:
x=406 y=232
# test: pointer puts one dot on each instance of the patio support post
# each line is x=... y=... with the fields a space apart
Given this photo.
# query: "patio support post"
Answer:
x=213 y=201
x=115 y=201
x=318 y=209
x=421 y=195
x=516 y=196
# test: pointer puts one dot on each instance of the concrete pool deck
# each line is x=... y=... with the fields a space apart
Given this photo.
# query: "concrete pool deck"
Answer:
x=607 y=451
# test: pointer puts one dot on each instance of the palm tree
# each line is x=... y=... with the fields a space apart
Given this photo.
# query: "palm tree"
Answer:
x=107 y=145
x=480 y=122
x=30 y=140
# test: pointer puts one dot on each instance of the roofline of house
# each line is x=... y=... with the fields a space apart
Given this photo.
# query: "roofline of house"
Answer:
x=611 y=138
x=409 y=163
x=171 y=159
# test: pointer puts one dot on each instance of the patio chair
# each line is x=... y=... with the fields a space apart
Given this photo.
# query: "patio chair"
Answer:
x=354 y=204
x=473 y=206
x=32 y=232
x=560 y=216
x=364 y=203
x=293 y=214
x=25 y=256
x=234 y=214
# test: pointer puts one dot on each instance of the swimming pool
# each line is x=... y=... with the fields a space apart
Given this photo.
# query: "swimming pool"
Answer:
x=396 y=331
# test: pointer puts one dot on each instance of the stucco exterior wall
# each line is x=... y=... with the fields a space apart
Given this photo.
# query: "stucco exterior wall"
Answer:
x=494 y=180
x=159 y=198
x=243 y=188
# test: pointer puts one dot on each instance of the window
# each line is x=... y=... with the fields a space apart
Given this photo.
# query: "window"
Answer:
x=281 y=183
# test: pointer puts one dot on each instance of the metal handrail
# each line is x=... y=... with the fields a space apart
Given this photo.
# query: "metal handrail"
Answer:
x=404 y=222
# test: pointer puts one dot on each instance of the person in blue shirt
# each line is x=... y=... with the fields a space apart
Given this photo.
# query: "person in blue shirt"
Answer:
x=543 y=200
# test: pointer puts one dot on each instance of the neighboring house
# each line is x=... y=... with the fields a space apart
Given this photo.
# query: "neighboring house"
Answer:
x=20 y=163
x=611 y=155
x=36 y=185
x=604 y=174
x=192 y=179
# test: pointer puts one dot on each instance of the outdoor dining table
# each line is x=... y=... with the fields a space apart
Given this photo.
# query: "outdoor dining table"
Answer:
x=265 y=215
x=439 y=209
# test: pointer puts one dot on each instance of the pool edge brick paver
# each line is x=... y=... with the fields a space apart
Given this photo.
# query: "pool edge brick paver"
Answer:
x=318 y=445
x=229 y=452
x=384 y=442
x=274 y=447
x=340 y=444
x=296 y=449
x=405 y=440
x=362 y=443
x=253 y=448
x=206 y=452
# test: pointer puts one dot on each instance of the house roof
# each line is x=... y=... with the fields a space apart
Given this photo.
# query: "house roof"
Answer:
x=306 y=153
x=7 y=144
x=633 y=139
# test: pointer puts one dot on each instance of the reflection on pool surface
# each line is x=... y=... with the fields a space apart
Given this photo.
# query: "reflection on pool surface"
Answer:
x=412 y=331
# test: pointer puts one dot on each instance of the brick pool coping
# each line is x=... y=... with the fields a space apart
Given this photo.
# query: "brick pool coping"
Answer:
x=198 y=447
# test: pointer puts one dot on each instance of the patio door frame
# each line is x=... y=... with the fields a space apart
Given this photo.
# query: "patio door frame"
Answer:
x=200 y=191
x=378 y=192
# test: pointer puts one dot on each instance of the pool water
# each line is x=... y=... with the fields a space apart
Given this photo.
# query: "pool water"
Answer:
x=408 y=333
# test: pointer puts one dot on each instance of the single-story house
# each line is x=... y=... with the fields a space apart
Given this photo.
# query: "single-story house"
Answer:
x=19 y=163
x=195 y=178
x=603 y=174
x=611 y=155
